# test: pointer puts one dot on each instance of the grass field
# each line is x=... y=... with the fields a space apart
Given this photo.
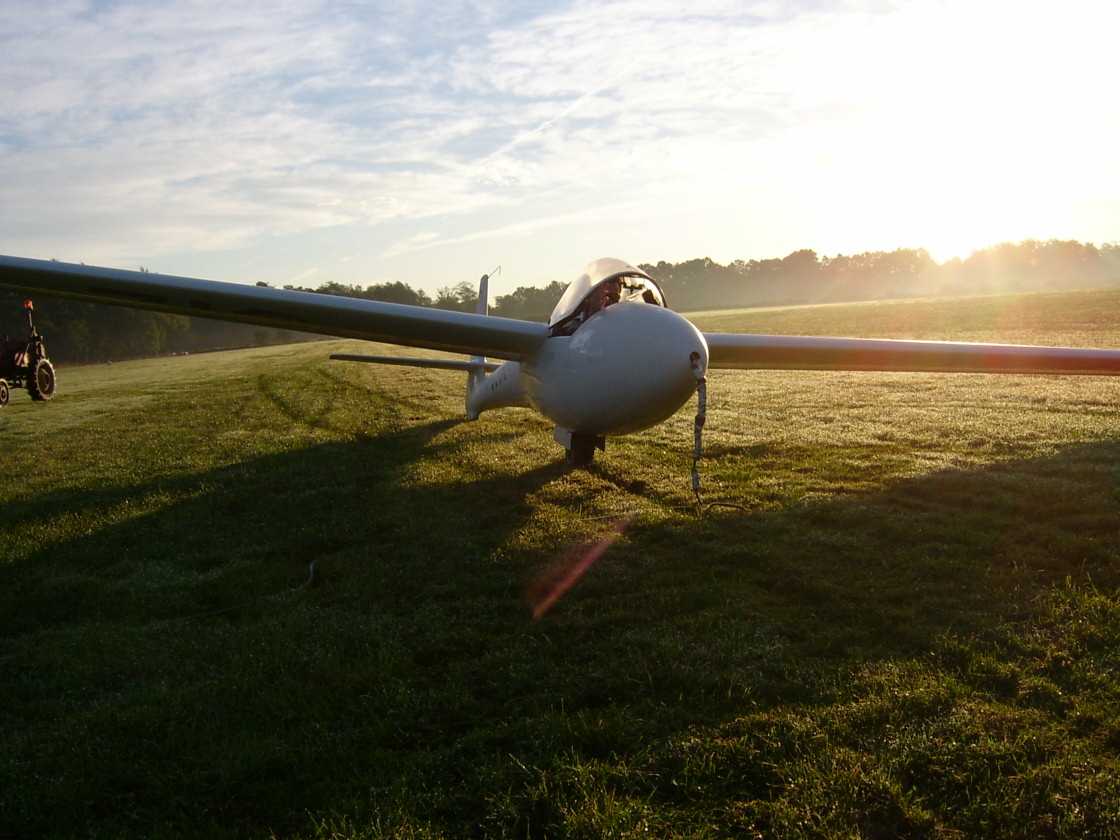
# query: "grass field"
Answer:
x=912 y=630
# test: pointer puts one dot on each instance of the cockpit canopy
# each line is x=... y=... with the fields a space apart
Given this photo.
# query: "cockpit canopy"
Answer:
x=636 y=286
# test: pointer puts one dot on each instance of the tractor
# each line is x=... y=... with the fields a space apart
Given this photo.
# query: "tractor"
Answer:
x=24 y=363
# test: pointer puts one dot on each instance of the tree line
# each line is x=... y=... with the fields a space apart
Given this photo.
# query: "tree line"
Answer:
x=80 y=332
x=806 y=277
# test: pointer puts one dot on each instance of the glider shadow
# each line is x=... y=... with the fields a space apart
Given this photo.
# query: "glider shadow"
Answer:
x=414 y=639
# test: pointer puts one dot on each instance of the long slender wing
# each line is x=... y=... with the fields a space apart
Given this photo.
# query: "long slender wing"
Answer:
x=780 y=352
x=415 y=326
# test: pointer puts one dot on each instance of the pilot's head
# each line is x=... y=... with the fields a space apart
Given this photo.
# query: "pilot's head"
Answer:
x=613 y=290
x=606 y=294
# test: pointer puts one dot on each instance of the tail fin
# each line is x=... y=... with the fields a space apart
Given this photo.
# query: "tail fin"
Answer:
x=478 y=372
x=483 y=305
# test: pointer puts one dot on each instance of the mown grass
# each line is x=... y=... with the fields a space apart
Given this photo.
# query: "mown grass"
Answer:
x=911 y=630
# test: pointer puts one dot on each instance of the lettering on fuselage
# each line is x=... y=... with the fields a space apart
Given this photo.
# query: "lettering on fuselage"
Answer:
x=498 y=380
x=501 y=388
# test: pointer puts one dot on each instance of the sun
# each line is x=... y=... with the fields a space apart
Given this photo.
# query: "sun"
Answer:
x=950 y=127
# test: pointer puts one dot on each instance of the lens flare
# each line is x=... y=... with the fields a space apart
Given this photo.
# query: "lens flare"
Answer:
x=555 y=582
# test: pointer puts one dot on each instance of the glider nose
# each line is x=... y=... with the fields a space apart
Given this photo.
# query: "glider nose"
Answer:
x=698 y=358
x=664 y=365
x=629 y=367
x=690 y=352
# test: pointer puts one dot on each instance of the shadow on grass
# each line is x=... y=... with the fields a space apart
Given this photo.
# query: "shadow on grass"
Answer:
x=169 y=670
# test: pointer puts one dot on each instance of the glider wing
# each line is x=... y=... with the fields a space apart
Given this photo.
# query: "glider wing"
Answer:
x=780 y=352
x=393 y=323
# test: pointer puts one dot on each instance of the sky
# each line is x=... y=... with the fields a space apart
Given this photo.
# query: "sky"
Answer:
x=300 y=143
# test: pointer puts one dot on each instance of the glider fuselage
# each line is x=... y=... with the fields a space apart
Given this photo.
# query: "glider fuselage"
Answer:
x=627 y=368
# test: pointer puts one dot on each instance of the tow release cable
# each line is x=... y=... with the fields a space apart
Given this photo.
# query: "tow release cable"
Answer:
x=698 y=439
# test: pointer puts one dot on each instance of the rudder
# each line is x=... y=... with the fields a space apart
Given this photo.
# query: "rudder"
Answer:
x=477 y=374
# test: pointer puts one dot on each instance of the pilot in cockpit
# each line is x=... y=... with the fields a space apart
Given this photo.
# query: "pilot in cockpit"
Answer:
x=587 y=295
x=605 y=295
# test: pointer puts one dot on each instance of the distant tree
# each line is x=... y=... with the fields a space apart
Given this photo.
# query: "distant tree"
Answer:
x=341 y=289
x=462 y=297
x=529 y=303
x=397 y=292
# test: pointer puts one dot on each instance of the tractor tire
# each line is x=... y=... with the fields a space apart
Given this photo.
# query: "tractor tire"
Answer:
x=40 y=380
x=5 y=393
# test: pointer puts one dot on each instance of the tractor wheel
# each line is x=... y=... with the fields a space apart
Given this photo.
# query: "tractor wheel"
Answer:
x=40 y=381
x=5 y=393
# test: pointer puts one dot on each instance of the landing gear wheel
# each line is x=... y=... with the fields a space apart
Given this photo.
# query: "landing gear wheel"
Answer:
x=5 y=393
x=40 y=381
x=582 y=451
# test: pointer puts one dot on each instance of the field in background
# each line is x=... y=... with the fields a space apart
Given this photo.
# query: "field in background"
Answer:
x=912 y=630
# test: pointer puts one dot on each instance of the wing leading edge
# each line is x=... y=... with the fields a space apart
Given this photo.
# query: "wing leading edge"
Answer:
x=394 y=323
x=779 y=352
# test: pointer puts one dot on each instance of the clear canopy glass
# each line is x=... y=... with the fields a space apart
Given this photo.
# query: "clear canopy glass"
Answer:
x=636 y=286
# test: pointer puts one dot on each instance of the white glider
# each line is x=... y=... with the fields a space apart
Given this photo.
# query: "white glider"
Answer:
x=613 y=358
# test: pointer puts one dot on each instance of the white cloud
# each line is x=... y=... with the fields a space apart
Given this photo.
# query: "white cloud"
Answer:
x=600 y=213
x=145 y=129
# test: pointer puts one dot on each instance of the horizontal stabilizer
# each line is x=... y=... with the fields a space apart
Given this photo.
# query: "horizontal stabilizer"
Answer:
x=443 y=364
